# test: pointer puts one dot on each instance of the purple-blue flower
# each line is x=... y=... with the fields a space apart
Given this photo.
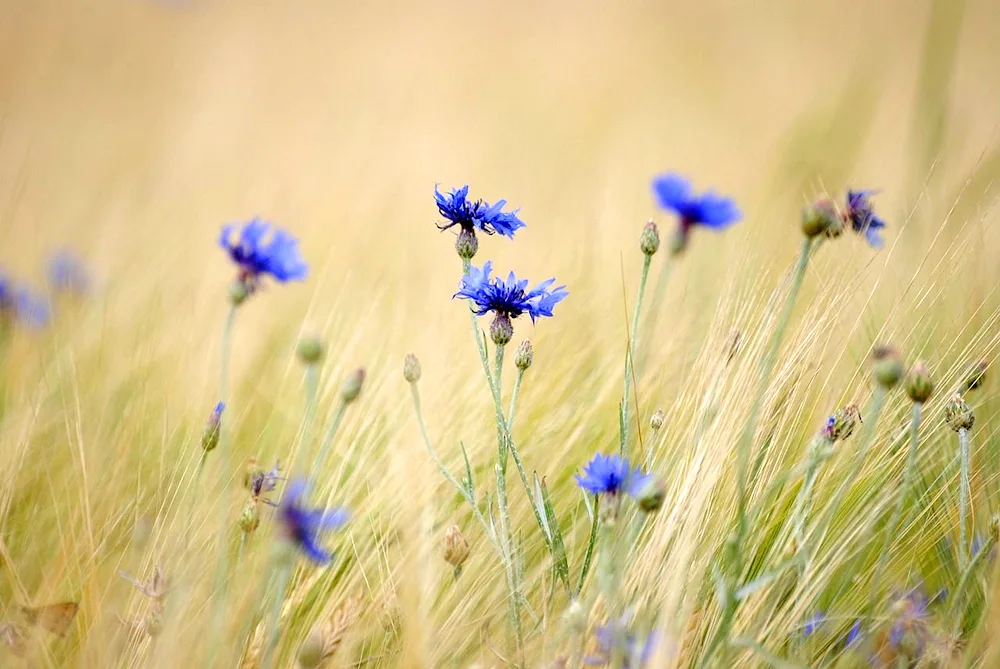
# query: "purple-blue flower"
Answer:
x=509 y=298
x=674 y=193
x=854 y=634
x=637 y=651
x=610 y=475
x=303 y=526
x=262 y=482
x=813 y=623
x=908 y=628
x=18 y=303
x=458 y=209
x=261 y=249
x=861 y=215
x=67 y=273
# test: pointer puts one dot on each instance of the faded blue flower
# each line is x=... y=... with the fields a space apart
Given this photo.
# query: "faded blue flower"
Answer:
x=861 y=216
x=854 y=634
x=302 y=526
x=262 y=482
x=262 y=250
x=813 y=623
x=674 y=193
x=637 y=651
x=610 y=475
x=18 y=303
x=509 y=298
x=67 y=273
x=458 y=209
x=908 y=632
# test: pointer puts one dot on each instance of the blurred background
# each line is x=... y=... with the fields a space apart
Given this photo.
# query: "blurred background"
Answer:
x=132 y=130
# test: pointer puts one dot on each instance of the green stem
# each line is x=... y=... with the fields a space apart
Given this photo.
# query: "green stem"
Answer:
x=803 y=504
x=589 y=553
x=609 y=580
x=462 y=490
x=897 y=512
x=501 y=421
x=312 y=381
x=630 y=354
x=284 y=572
x=331 y=432
x=514 y=599
x=659 y=291
x=963 y=583
x=963 y=498
x=511 y=412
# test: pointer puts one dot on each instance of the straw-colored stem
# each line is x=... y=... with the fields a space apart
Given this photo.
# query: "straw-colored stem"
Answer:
x=630 y=354
x=963 y=498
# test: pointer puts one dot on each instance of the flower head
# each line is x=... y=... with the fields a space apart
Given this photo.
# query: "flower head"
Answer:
x=18 y=303
x=67 y=273
x=610 y=475
x=263 y=250
x=260 y=482
x=861 y=216
x=617 y=636
x=458 y=209
x=213 y=428
x=908 y=633
x=673 y=192
x=302 y=526
x=509 y=298
x=813 y=623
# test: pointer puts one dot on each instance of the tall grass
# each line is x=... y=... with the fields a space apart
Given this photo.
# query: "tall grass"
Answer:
x=131 y=131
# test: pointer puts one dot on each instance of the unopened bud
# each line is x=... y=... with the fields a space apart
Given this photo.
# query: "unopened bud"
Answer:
x=918 y=383
x=501 y=329
x=249 y=518
x=352 y=386
x=649 y=241
x=411 y=368
x=821 y=218
x=312 y=651
x=239 y=291
x=524 y=356
x=975 y=376
x=466 y=245
x=456 y=548
x=958 y=414
x=213 y=428
x=657 y=419
x=888 y=368
x=651 y=494
x=310 y=350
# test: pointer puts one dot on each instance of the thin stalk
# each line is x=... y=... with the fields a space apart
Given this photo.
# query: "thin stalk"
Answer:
x=284 y=572
x=338 y=417
x=802 y=505
x=589 y=553
x=514 y=598
x=462 y=490
x=630 y=352
x=501 y=421
x=609 y=581
x=659 y=291
x=963 y=583
x=897 y=512
x=511 y=412
x=312 y=381
x=963 y=497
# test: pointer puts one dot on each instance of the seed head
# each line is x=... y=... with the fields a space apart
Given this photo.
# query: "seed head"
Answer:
x=310 y=350
x=651 y=494
x=841 y=424
x=466 y=244
x=312 y=651
x=974 y=377
x=958 y=414
x=352 y=386
x=888 y=368
x=821 y=218
x=649 y=241
x=411 y=368
x=657 y=419
x=456 y=548
x=501 y=329
x=524 y=356
x=213 y=428
x=918 y=383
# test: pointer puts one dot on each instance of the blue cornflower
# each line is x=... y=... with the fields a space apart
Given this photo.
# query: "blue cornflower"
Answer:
x=610 y=475
x=860 y=215
x=637 y=651
x=507 y=299
x=854 y=634
x=67 y=273
x=673 y=192
x=908 y=631
x=262 y=249
x=20 y=304
x=302 y=526
x=459 y=210
x=262 y=482
x=813 y=623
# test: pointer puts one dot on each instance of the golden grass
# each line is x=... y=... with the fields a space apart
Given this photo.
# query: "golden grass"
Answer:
x=131 y=130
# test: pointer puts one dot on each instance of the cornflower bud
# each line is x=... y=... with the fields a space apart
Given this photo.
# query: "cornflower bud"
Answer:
x=456 y=548
x=888 y=369
x=651 y=494
x=501 y=329
x=821 y=218
x=352 y=386
x=918 y=383
x=524 y=355
x=411 y=368
x=213 y=428
x=249 y=518
x=310 y=350
x=657 y=420
x=649 y=241
x=958 y=414
x=466 y=245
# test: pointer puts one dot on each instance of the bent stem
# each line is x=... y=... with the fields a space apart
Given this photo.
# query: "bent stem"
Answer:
x=963 y=497
x=630 y=354
x=897 y=512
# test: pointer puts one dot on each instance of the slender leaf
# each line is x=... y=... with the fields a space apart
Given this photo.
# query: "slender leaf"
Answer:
x=561 y=562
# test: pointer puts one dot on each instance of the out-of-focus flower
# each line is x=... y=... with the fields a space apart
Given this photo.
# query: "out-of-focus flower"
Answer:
x=260 y=249
x=302 y=526
x=861 y=215
x=610 y=475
